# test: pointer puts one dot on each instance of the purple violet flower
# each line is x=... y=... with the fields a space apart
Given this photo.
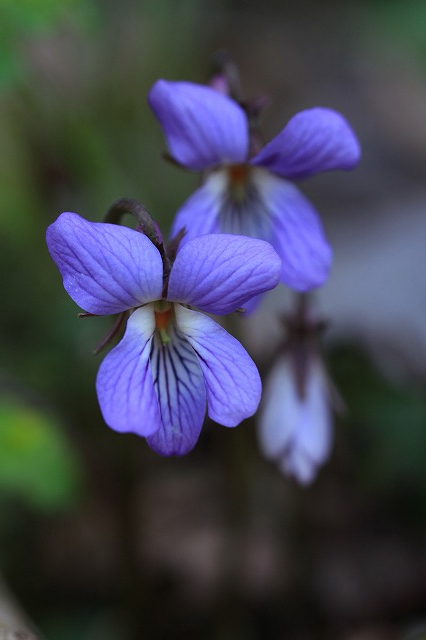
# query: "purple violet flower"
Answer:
x=208 y=131
x=295 y=422
x=296 y=427
x=171 y=359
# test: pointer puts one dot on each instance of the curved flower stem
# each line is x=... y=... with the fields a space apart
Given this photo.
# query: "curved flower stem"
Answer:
x=223 y=65
x=127 y=205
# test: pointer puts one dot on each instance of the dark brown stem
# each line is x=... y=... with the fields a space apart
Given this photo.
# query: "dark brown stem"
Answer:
x=127 y=205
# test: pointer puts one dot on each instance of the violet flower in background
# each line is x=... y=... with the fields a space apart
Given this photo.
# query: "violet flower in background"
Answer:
x=295 y=429
x=295 y=425
x=171 y=359
x=207 y=131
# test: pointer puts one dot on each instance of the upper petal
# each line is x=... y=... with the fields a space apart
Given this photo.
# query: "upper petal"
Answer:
x=314 y=140
x=203 y=128
x=181 y=391
x=231 y=377
x=219 y=273
x=105 y=268
x=124 y=383
x=297 y=233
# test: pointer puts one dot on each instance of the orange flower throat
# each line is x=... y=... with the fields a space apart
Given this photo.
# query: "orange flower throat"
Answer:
x=162 y=319
x=238 y=174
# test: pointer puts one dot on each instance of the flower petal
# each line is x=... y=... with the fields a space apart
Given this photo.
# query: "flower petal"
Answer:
x=314 y=140
x=231 y=377
x=219 y=273
x=105 y=268
x=199 y=215
x=279 y=411
x=213 y=209
x=314 y=435
x=297 y=236
x=296 y=432
x=181 y=391
x=124 y=383
x=203 y=128
x=298 y=465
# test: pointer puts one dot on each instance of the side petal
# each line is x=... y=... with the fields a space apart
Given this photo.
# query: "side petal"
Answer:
x=199 y=214
x=314 y=436
x=181 y=391
x=219 y=273
x=279 y=412
x=297 y=235
x=231 y=377
x=313 y=141
x=124 y=383
x=105 y=268
x=203 y=128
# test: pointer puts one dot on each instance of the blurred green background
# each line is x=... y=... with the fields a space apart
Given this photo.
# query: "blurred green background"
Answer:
x=99 y=537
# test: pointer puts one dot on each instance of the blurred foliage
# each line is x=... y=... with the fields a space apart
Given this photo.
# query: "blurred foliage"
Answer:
x=28 y=18
x=388 y=420
x=37 y=464
x=399 y=21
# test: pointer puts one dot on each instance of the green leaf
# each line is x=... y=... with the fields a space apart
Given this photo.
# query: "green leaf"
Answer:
x=36 y=461
x=387 y=419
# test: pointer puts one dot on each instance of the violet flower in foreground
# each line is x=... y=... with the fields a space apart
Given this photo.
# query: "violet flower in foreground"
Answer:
x=171 y=359
x=295 y=424
x=208 y=131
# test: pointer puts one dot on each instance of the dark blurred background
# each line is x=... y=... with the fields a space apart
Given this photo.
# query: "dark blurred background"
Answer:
x=99 y=537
